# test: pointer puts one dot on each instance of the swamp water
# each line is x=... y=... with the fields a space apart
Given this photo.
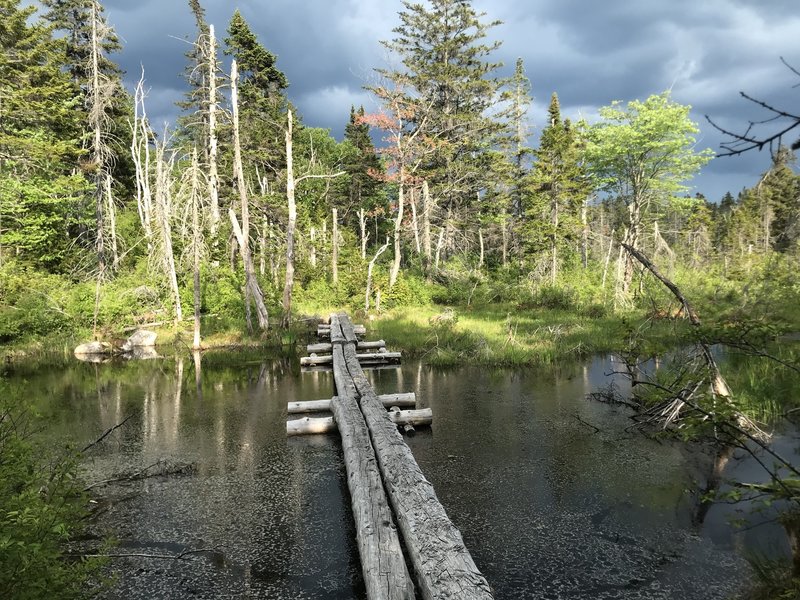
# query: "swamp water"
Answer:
x=554 y=498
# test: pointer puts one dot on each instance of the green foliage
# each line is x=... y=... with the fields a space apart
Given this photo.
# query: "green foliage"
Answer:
x=41 y=508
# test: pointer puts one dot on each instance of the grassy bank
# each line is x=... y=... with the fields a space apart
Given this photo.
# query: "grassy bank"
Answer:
x=504 y=335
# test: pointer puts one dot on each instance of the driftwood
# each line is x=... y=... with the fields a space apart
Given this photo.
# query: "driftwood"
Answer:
x=442 y=564
x=327 y=359
x=313 y=425
x=382 y=562
x=388 y=400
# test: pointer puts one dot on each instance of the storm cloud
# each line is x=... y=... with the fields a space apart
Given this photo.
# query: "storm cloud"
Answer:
x=590 y=53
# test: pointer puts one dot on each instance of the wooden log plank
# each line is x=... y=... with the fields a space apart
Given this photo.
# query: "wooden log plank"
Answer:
x=385 y=572
x=442 y=564
x=307 y=425
x=423 y=416
x=327 y=347
x=366 y=356
x=348 y=329
x=388 y=400
x=318 y=425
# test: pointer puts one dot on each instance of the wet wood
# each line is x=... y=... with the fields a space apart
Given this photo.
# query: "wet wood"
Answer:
x=388 y=400
x=385 y=572
x=442 y=564
x=423 y=416
x=317 y=425
x=323 y=347
x=326 y=359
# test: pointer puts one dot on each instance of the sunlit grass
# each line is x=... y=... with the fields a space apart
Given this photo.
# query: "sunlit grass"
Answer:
x=498 y=335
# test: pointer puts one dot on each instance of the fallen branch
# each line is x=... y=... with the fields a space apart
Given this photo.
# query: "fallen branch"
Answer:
x=167 y=469
x=109 y=431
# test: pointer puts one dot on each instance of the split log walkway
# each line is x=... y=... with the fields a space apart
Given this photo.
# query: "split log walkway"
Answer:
x=385 y=484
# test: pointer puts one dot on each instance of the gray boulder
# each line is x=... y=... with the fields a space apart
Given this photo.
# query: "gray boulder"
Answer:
x=141 y=338
x=92 y=348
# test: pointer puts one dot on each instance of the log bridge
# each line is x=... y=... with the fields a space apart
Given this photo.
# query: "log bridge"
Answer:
x=394 y=507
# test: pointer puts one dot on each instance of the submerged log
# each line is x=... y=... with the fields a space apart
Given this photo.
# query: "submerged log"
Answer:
x=366 y=357
x=443 y=565
x=384 y=567
x=327 y=347
x=388 y=400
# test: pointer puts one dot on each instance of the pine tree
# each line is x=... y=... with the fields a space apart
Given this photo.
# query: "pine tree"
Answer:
x=780 y=187
x=39 y=141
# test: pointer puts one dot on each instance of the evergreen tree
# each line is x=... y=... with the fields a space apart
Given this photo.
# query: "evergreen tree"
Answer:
x=263 y=104
x=39 y=141
x=451 y=92
x=361 y=162
x=193 y=126
x=780 y=187
x=560 y=187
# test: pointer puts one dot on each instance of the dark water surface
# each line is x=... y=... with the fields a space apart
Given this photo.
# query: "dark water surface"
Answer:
x=549 y=507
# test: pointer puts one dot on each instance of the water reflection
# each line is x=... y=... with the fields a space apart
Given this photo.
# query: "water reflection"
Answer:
x=548 y=506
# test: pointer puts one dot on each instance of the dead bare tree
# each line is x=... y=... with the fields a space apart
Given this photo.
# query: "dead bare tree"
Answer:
x=739 y=143
x=380 y=251
x=242 y=232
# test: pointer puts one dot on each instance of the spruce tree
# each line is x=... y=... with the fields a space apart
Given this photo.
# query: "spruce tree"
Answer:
x=361 y=162
x=39 y=142
x=560 y=186
x=451 y=92
x=263 y=104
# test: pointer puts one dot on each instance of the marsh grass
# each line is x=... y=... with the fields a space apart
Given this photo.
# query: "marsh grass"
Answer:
x=502 y=335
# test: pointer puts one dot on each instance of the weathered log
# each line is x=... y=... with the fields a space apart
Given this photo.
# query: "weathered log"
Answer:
x=327 y=347
x=423 y=416
x=315 y=425
x=366 y=357
x=385 y=572
x=388 y=400
x=307 y=425
x=324 y=330
x=443 y=565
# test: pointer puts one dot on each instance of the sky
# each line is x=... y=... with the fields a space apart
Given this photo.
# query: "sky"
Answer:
x=589 y=52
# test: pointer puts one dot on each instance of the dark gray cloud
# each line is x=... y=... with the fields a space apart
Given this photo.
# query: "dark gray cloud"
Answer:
x=591 y=53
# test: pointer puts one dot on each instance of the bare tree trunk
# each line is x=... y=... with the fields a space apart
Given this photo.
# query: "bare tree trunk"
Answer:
x=395 y=270
x=585 y=235
x=608 y=259
x=213 y=178
x=439 y=244
x=140 y=153
x=426 y=223
x=242 y=232
x=554 y=242
x=262 y=247
x=99 y=150
x=380 y=251
x=414 y=221
x=112 y=223
x=362 y=224
x=631 y=238
x=290 y=226
x=313 y=238
x=335 y=247
x=196 y=233
x=480 y=241
x=163 y=216
x=504 y=230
